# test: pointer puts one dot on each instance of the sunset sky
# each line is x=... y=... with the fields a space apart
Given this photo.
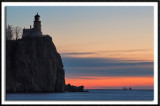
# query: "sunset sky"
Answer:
x=103 y=47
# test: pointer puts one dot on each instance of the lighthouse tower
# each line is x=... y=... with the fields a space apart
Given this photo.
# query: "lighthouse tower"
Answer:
x=37 y=23
x=37 y=26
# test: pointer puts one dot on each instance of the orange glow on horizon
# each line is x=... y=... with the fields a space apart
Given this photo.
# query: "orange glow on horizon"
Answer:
x=98 y=82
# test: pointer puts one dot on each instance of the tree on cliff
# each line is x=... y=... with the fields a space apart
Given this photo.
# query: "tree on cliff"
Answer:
x=18 y=32
x=13 y=33
x=9 y=32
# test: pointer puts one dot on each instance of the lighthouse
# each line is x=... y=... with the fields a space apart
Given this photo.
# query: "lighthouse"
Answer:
x=36 y=30
x=37 y=23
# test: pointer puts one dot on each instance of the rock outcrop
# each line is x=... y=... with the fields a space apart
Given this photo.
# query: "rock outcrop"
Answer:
x=33 y=65
x=72 y=88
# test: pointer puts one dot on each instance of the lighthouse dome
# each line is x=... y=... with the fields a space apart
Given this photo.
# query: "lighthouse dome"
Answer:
x=37 y=15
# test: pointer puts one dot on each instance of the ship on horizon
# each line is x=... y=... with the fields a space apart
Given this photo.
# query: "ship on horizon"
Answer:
x=124 y=88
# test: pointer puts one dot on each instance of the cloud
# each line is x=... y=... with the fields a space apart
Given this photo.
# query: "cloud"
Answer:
x=76 y=53
x=107 y=51
x=135 y=53
x=121 y=51
x=105 y=67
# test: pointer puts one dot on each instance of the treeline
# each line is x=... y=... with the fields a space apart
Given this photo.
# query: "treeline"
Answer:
x=13 y=33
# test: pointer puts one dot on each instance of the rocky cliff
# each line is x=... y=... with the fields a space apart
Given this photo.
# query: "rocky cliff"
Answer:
x=33 y=65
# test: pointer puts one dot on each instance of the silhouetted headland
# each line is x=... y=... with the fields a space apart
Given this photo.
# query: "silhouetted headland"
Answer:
x=33 y=65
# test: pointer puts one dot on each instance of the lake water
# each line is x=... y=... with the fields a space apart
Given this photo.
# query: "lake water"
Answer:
x=93 y=94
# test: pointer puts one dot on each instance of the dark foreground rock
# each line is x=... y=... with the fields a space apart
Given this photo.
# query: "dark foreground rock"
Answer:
x=72 y=88
x=33 y=65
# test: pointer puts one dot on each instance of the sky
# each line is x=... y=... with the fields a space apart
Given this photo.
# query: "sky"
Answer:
x=102 y=47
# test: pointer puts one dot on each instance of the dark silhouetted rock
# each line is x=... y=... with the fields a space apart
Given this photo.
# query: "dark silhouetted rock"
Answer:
x=71 y=88
x=33 y=65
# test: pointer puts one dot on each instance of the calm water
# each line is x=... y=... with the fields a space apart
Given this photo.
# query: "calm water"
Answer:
x=100 y=94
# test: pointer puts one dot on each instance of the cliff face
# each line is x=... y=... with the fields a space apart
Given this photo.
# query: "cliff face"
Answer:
x=33 y=65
